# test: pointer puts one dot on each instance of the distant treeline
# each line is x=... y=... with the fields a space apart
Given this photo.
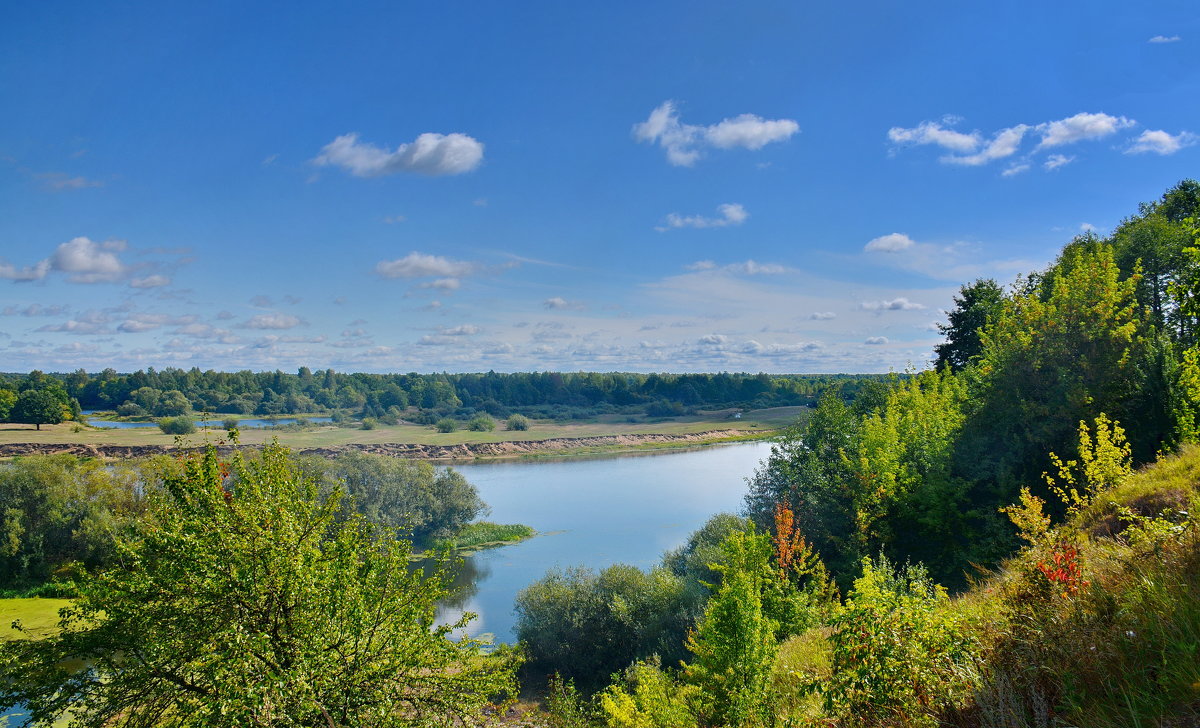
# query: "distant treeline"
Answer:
x=172 y=392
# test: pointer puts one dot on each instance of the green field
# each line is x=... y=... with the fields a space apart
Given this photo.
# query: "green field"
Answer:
x=329 y=436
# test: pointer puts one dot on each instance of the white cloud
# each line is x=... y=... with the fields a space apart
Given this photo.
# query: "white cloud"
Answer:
x=1160 y=142
x=876 y=340
x=684 y=143
x=713 y=340
x=271 y=321
x=28 y=273
x=896 y=304
x=421 y=265
x=1054 y=161
x=557 y=302
x=729 y=214
x=1005 y=143
x=891 y=243
x=394 y=219
x=87 y=261
x=462 y=330
x=1080 y=127
x=822 y=316
x=1015 y=169
x=749 y=132
x=153 y=281
x=1164 y=39
x=432 y=154
x=701 y=265
x=1087 y=227
x=931 y=132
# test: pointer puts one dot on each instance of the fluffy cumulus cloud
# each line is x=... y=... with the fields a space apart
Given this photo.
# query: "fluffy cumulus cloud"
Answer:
x=1081 y=127
x=727 y=214
x=976 y=149
x=876 y=340
x=431 y=154
x=421 y=265
x=932 y=132
x=896 y=304
x=1160 y=142
x=892 y=243
x=684 y=144
x=82 y=259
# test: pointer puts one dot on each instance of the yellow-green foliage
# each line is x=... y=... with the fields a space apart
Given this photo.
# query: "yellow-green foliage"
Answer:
x=1104 y=461
x=648 y=698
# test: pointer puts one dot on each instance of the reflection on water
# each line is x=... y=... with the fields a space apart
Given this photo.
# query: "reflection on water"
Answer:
x=592 y=513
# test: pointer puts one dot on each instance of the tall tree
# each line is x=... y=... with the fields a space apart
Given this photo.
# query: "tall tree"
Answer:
x=245 y=601
x=37 y=407
x=974 y=305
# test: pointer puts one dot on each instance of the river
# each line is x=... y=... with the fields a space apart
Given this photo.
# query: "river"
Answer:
x=594 y=513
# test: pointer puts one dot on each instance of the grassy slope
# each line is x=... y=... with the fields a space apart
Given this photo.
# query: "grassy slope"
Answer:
x=766 y=419
x=1124 y=651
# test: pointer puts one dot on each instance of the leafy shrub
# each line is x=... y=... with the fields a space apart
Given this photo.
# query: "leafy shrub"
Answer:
x=177 y=425
x=517 y=422
x=229 y=423
x=481 y=422
x=663 y=408
x=131 y=409
x=648 y=697
x=445 y=425
x=369 y=423
x=897 y=651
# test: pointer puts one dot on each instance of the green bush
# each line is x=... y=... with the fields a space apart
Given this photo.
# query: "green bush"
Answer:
x=177 y=425
x=229 y=423
x=369 y=423
x=897 y=650
x=517 y=422
x=445 y=425
x=482 y=422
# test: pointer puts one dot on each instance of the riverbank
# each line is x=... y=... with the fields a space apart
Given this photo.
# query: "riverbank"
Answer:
x=463 y=451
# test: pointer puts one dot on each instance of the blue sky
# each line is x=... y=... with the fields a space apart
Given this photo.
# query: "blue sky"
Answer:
x=700 y=186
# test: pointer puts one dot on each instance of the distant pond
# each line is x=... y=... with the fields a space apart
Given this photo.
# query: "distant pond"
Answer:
x=592 y=513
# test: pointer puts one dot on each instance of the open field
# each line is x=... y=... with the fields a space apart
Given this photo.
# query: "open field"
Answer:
x=720 y=423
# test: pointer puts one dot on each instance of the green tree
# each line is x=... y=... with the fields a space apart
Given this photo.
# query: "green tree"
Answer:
x=245 y=601
x=37 y=407
x=974 y=304
x=517 y=422
x=482 y=422
x=733 y=651
x=8 y=399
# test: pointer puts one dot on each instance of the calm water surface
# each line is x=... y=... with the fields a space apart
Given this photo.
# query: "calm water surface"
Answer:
x=592 y=513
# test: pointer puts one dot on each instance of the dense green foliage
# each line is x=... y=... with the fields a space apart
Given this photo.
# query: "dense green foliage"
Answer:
x=173 y=392
x=245 y=600
x=59 y=512
x=56 y=510
x=921 y=472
